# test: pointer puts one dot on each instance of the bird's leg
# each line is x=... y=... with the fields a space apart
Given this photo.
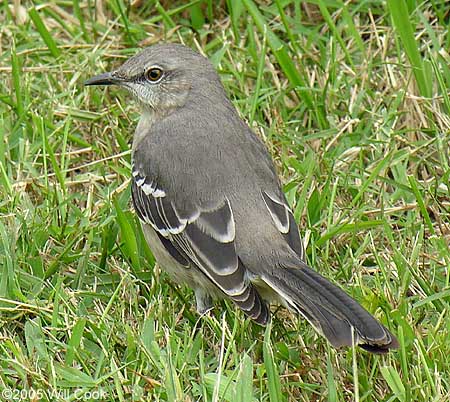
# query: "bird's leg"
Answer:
x=204 y=301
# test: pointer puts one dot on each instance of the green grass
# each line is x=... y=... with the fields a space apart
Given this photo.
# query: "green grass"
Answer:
x=352 y=100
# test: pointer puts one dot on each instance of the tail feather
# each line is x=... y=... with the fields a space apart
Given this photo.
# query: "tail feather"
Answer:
x=251 y=303
x=330 y=310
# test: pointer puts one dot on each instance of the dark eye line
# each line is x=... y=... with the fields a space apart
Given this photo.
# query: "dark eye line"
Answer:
x=139 y=79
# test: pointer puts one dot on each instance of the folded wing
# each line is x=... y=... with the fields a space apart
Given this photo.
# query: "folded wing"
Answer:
x=204 y=238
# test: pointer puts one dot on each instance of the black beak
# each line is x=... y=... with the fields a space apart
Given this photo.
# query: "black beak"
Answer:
x=102 y=79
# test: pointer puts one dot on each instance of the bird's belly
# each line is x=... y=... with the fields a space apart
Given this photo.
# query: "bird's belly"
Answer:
x=179 y=273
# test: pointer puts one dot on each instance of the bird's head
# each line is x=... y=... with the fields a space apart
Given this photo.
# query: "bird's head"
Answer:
x=162 y=76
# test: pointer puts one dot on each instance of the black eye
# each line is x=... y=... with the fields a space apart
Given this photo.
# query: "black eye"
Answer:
x=154 y=74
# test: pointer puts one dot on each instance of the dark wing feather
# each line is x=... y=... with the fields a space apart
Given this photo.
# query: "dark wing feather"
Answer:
x=283 y=218
x=204 y=238
x=175 y=252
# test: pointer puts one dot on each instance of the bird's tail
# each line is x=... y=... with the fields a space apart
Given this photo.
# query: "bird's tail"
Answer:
x=330 y=310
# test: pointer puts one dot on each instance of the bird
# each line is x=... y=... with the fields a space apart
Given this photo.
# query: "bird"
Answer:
x=211 y=204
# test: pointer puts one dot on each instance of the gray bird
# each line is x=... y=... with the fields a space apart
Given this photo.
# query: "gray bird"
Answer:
x=212 y=207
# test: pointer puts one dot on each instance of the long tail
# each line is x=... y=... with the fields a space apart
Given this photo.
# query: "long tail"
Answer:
x=330 y=310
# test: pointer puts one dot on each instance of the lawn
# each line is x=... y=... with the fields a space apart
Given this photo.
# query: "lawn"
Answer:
x=352 y=100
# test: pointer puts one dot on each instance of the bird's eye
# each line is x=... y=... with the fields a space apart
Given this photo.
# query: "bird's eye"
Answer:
x=154 y=74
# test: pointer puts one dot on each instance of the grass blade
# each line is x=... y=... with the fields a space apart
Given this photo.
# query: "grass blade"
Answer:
x=244 y=382
x=273 y=377
x=402 y=22
x=348 y=228
x=327 y=17
x=332 y=392
x=79 y=15
x=279 y=49
x=421 y=203
x=17 y=79
x=394 y=381
x=197 y=17
x=128 y=237
x=45 y=35
x=75 y=340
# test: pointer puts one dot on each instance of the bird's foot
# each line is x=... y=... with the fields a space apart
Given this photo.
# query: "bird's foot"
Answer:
x=204 y=301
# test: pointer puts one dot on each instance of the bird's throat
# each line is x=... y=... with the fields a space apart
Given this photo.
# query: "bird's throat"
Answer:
x=144 y=125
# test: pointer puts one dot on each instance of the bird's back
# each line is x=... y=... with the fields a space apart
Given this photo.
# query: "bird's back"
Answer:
x=210 y=154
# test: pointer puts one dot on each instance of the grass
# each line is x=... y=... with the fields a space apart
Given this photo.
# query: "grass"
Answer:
x=352 y=100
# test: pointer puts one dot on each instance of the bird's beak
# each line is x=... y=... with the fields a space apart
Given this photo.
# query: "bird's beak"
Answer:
x=103 y=79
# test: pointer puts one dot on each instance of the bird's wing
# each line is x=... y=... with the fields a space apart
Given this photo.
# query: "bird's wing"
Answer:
x=204 y=238
x=272 y=192
x=284 y=221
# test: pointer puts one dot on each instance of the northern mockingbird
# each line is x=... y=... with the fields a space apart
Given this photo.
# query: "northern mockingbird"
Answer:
x=212 y=207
